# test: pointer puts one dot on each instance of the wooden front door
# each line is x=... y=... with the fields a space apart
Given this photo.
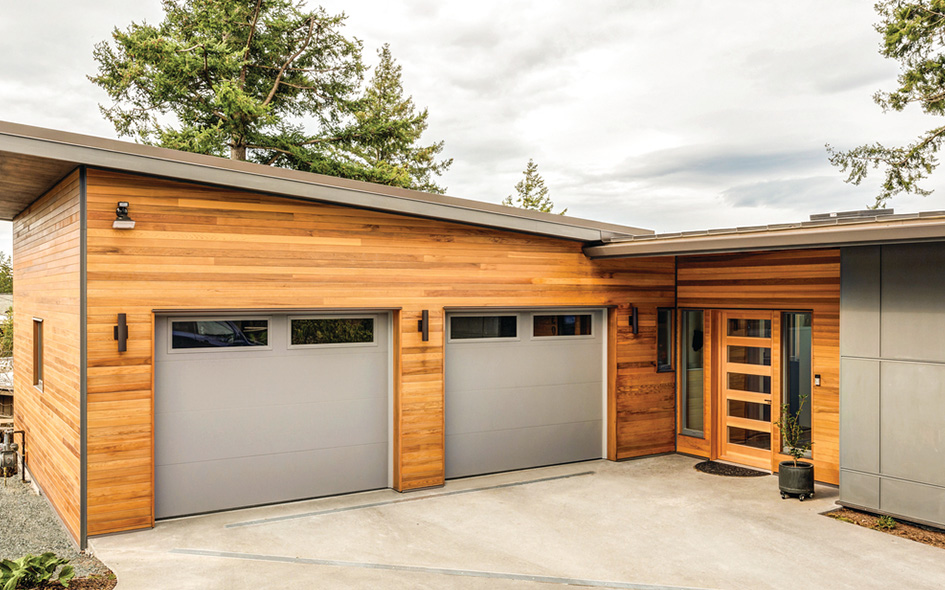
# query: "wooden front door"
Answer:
x=749 y=370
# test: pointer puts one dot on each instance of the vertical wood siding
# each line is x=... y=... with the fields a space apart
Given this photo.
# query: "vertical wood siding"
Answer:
x=204 y=247
x=46 y=285
x=797 y=280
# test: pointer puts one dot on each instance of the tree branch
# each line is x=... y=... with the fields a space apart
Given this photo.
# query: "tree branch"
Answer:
x=249 y=39
x=292 y=58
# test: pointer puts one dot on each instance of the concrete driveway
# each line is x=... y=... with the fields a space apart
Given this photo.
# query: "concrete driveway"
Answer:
x=648 y=524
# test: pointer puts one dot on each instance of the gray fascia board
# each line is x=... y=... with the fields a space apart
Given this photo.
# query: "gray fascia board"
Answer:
x=809 y=237
x=134 y=158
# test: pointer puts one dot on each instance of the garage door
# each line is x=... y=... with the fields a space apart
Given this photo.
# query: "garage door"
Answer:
x=258 y=409
x=523 y=389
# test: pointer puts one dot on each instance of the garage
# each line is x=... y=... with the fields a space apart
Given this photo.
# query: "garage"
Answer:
x=523 y=389
x=257 y=409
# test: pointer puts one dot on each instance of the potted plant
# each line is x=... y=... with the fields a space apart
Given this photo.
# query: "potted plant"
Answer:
x=795 y=477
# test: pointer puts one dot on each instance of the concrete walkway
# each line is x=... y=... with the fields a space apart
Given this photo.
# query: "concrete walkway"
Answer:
x=649 y=524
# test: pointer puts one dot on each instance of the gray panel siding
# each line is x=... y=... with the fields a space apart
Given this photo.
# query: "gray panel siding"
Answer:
x=892 y=427
x=860 y=297
x=913 y=422
x=242 y=427
x=913 y=306
x=859 y=418
x=526 y=402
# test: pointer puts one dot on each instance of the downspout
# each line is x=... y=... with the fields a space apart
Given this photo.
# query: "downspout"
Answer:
x=83 y=363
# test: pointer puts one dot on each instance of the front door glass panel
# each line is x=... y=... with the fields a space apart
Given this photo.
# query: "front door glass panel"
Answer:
x=749 y=328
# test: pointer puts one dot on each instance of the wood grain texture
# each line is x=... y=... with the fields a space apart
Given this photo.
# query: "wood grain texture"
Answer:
x=212 y=248
x=46 y=283
x=796 y=280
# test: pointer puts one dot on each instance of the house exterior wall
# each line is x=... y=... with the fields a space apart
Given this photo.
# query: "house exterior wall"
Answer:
x=893 y=369
x=797 y=280
x=199 y=247
x=46 y=283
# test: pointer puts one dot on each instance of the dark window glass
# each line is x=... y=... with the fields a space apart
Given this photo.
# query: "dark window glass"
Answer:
x=749 y=438
x=664 y=340
x=796 y=337
x=692 y=379
x=749 y=328
x=754 y=383
x=219 y=333
x=38 y=353
x=562 y=325
x=749 y=410
x=471 y=327
x=750 y=355
x=332 y=331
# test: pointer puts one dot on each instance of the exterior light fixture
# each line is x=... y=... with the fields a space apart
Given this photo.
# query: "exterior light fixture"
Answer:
x=122 y=221
x=423 y=325
x=634 y=320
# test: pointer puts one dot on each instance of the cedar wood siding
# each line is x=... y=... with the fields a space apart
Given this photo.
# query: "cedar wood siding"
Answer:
x=46 y=283
x=796 y=280
x=205 y=247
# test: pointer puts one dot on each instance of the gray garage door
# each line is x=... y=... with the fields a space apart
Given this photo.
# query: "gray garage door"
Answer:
x=258 y=409
x=523 y=389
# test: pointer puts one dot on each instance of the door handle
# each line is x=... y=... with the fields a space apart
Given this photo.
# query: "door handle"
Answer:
x=768 y=401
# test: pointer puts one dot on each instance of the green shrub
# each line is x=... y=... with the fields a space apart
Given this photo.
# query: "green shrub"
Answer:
x=886 y=523
x=30 y=571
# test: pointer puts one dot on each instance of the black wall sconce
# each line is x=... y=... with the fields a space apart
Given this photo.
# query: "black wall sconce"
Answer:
x=122 y=221
x=121 y=332
x=423 y=325
x=634 y=320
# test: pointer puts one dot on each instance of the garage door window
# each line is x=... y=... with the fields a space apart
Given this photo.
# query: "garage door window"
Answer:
x=562 y=325
x=481 y=326
x=331 y=331
x=219 y=334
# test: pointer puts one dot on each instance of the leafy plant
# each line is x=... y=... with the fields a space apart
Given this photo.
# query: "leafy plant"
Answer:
x=885 y=523
x=30 y=571
x=792 y=431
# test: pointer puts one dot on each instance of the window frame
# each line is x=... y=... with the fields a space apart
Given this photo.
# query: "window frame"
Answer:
x=670 y=313
x=288 y=324
x=38 y=354
x=472 y=314
x=683 y=366
x=784 y=346
x=535 y=315
x=217 y=349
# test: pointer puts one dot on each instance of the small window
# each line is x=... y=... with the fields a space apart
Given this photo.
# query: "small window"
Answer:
x=38 y=353
x=219 y=333
x=562 y=325
x=320 y=331
x=483 y=326
x=664 y=339
x=692 y=351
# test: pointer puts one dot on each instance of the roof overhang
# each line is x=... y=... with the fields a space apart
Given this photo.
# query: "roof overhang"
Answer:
x=887 y=229
x=33 y=159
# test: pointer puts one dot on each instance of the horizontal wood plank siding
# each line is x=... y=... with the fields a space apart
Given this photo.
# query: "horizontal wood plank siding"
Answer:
x=205 y=247
x=796 y=280
x=46 y=283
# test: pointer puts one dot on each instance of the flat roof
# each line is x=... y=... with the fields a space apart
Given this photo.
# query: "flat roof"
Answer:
x=33 y=159
x=822 y=232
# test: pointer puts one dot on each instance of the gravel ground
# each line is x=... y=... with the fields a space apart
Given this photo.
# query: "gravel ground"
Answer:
x=29 y=525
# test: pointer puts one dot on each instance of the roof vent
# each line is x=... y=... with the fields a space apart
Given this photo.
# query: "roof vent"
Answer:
x=847 y=214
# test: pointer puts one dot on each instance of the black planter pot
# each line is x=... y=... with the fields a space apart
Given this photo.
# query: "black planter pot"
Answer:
x=796 y=480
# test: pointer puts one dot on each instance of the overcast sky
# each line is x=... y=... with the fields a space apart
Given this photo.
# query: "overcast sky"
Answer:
x=665 y=114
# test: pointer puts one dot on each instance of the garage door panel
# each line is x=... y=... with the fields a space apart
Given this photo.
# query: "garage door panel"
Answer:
x=244 y=427
x=191 y=488
x=480 y=410
x=545 y=364
x=514 y=404
x=228 y=433
x=506 y=450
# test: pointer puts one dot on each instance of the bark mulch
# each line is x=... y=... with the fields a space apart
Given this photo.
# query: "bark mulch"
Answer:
x=724 y=469
x=916 y=532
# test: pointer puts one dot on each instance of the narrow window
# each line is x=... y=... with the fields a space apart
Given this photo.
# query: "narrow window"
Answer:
x=664 y=340
x=478 y=327
x=318 y=331
x=796 y=341
x=691 y=385
x=220 y=333
x=38 y=353
x=562 y=325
